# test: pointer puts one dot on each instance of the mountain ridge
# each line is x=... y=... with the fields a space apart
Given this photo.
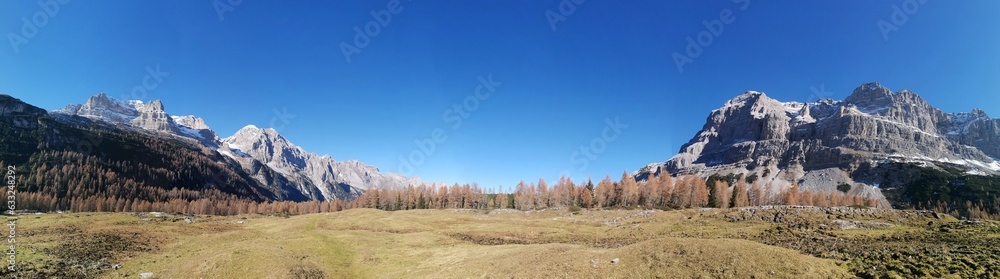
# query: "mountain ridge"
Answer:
x=317 y=177
x=824 y=144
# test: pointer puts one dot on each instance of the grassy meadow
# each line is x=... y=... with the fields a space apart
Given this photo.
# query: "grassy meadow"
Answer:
x=764 y=242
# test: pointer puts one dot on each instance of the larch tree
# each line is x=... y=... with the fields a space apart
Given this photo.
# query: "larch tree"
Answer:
x=604 y=192
x=792 y=194
x=649 y=192
x=719 y=196
x=756 y=194
x=630 y=190
x=699 y=193
x=741 y=197
x=586 y=198
x=567 y=193
x=543 y=194
x=806 y=198
x=822 y=199
x=522 y=198
x=442 y=197
x=666 y=188
x=681 y=197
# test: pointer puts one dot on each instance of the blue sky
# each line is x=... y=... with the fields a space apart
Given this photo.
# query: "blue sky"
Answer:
x=606 y=60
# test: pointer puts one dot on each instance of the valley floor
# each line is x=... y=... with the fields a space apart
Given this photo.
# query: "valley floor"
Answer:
x=761 y=242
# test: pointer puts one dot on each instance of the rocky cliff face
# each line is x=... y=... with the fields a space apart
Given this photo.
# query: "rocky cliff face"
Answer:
x=22 y=115
x=321 y=177
x=263 y=153
x=152 y=117
x=108 y=109
x=195 y=127
x=822 y=144
x=191 y=121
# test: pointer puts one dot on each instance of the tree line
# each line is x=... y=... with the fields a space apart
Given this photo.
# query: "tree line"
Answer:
x=661 y=191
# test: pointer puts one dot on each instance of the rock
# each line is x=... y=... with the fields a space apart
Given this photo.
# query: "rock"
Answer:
x=314 y=176
x=263 y=154
x=145 y=275
x=191 y=121
x=106 y=108
x=826 y=143
x=153 y=117
x=21 y=114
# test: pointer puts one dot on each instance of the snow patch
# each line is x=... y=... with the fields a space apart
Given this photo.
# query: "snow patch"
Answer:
x=224 y=152
x=793 y=108
x=188 y=132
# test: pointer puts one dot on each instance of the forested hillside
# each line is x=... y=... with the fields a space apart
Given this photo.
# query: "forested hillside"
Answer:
x=83 y=165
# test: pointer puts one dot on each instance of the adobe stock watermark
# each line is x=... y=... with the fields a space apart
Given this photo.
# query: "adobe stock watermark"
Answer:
x=820 y=93
x=455 y=115
x=29 y=29
x=281 y=116
x=713 y=29
x=224 y=6
x=362 y=38
x=12 y=221
x=899 y=16
x=565 y=9
x=582 y=158
x=152 y=80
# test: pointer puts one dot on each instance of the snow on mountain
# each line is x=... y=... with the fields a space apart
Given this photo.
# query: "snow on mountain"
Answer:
x=328 y=175
x=794 y=141
x=104 y=108
x=190 y=121
x=140 y=115
x=263 y=153
x=195 y=127
x=153 y=117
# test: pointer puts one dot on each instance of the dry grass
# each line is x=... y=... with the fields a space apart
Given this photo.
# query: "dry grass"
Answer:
x=366 y=243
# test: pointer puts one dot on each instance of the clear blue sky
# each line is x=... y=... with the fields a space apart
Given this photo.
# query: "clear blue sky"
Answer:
x=608 y=59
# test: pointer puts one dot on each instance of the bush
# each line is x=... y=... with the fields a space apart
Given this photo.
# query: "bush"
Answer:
x=844 y=187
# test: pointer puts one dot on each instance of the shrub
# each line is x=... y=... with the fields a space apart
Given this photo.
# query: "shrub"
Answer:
x=844 y=187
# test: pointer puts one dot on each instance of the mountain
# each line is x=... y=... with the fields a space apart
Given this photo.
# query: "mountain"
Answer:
x=195 y=127
x=62 y=163
x=874 y=141
x=105 y=108
x=263 y=154
x=150 y=117
x=310 y=171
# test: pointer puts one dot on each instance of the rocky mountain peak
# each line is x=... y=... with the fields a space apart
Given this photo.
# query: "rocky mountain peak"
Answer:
x=154 y=106
x=307 y=171
x=264 y=153
x=195 y=128
x=747 y=98
x=99 y=98
x=101 y=106
x=152 y=117
x=10 y=106
x=254 y=133
x=192 y=122
x=811 y=143
x=870 y=95
x=979 y=114
x=267 y=145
